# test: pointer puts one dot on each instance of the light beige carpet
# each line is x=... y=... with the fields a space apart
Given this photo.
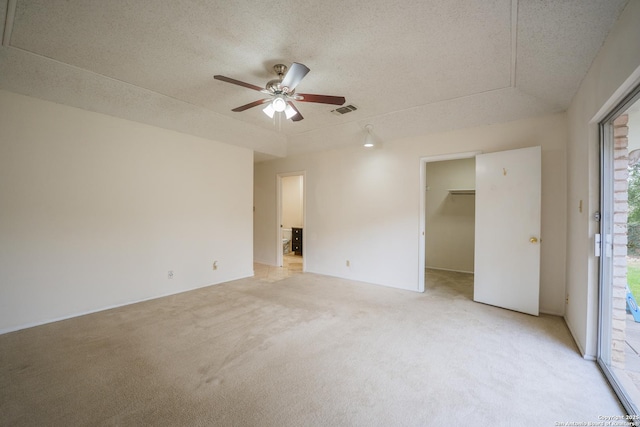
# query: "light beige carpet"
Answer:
x=308 y=350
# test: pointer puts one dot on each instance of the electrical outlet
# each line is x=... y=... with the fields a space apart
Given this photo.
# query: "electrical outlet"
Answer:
x=170 y=274
x=348 y=263
x=215 y=265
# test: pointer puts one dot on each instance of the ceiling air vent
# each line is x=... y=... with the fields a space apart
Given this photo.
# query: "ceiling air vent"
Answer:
x=344 y=110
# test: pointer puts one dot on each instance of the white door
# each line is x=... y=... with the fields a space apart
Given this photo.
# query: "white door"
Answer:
x=507 y=246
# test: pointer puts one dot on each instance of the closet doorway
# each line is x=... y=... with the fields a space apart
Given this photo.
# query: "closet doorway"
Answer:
x=448 y=217
x=291 y=220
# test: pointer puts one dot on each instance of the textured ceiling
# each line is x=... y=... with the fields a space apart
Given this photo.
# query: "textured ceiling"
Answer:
x=413 y=67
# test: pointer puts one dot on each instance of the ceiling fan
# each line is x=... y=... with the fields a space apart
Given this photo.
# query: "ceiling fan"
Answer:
x=282 y=92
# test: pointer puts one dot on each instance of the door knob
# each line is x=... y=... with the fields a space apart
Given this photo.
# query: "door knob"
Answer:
x=533 y=240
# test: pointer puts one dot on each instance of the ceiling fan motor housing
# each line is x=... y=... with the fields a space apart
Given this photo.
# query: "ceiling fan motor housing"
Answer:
x=275 y=86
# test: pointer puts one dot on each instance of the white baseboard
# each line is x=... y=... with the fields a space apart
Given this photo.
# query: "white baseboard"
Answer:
x=84 y=313
x=259 y=261
x=449 y=269
x=552 y=313
x=580 y=349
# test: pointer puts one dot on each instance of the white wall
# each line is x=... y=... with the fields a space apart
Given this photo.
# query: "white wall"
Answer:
x=450 y=219
x=364 y=205
x=292 y=202
x=95 y=210
x=614 y=72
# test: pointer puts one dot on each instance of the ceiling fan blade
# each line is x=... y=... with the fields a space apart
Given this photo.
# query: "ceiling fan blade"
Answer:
x=237 y=82
x=251 y=105
x=322 y=99
x=294 y=75
x=298 y=116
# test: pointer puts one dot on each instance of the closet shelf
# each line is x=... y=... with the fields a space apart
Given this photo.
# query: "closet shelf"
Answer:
x=463 y=192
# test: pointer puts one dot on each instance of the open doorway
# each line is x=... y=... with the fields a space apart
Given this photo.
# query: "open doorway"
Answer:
x=450 y=215
x=447 y=220
x=291 y=204
x=450 y=225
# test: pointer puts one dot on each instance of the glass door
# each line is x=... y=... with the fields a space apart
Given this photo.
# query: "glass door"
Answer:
x=619 y=249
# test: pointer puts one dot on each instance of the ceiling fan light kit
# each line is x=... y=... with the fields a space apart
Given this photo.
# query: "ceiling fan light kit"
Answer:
x=279 y=104
x=278 y=107
x=283 y=93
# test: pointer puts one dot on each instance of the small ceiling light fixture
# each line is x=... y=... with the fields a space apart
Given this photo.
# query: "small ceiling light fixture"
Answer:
x=368 y=139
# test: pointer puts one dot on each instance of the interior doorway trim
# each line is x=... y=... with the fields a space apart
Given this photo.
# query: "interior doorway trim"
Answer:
x=423 y=208
x=279 y=254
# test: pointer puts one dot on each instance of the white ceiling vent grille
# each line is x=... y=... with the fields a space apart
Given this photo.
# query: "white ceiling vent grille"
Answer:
x=344 y=110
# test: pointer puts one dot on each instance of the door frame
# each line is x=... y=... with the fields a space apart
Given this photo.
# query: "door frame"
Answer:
x=605 y=253
x=423 y=208
x=279 y=247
